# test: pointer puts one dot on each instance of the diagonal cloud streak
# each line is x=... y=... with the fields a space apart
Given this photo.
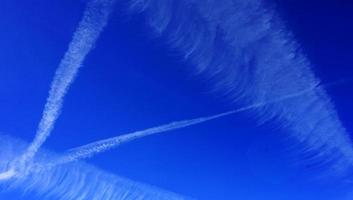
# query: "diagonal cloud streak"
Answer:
x=91 y=149
x=94 y=20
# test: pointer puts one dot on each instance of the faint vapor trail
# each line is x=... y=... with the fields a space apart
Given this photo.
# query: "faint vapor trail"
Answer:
x=94 y=19
x=89 y=150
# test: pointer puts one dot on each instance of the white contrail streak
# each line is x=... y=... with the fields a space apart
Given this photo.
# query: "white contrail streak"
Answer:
x=100 y=146
x=94 y=19
x=89 y=150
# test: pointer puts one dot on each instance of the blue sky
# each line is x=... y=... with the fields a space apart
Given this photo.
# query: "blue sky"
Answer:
x=133 y=80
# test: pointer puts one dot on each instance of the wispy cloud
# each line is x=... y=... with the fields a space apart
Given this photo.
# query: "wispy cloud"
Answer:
x=247 y=54
x=75 y=181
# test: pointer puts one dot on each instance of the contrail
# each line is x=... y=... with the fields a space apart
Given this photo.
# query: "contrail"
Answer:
x=91 y=149
x=94 y=19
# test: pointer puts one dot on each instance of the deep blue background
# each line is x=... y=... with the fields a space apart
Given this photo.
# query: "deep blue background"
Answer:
x=132 y=80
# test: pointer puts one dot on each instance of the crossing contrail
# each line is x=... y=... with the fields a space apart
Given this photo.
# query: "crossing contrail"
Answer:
x=94 y=19
x=91 y=149
x=245 y=50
